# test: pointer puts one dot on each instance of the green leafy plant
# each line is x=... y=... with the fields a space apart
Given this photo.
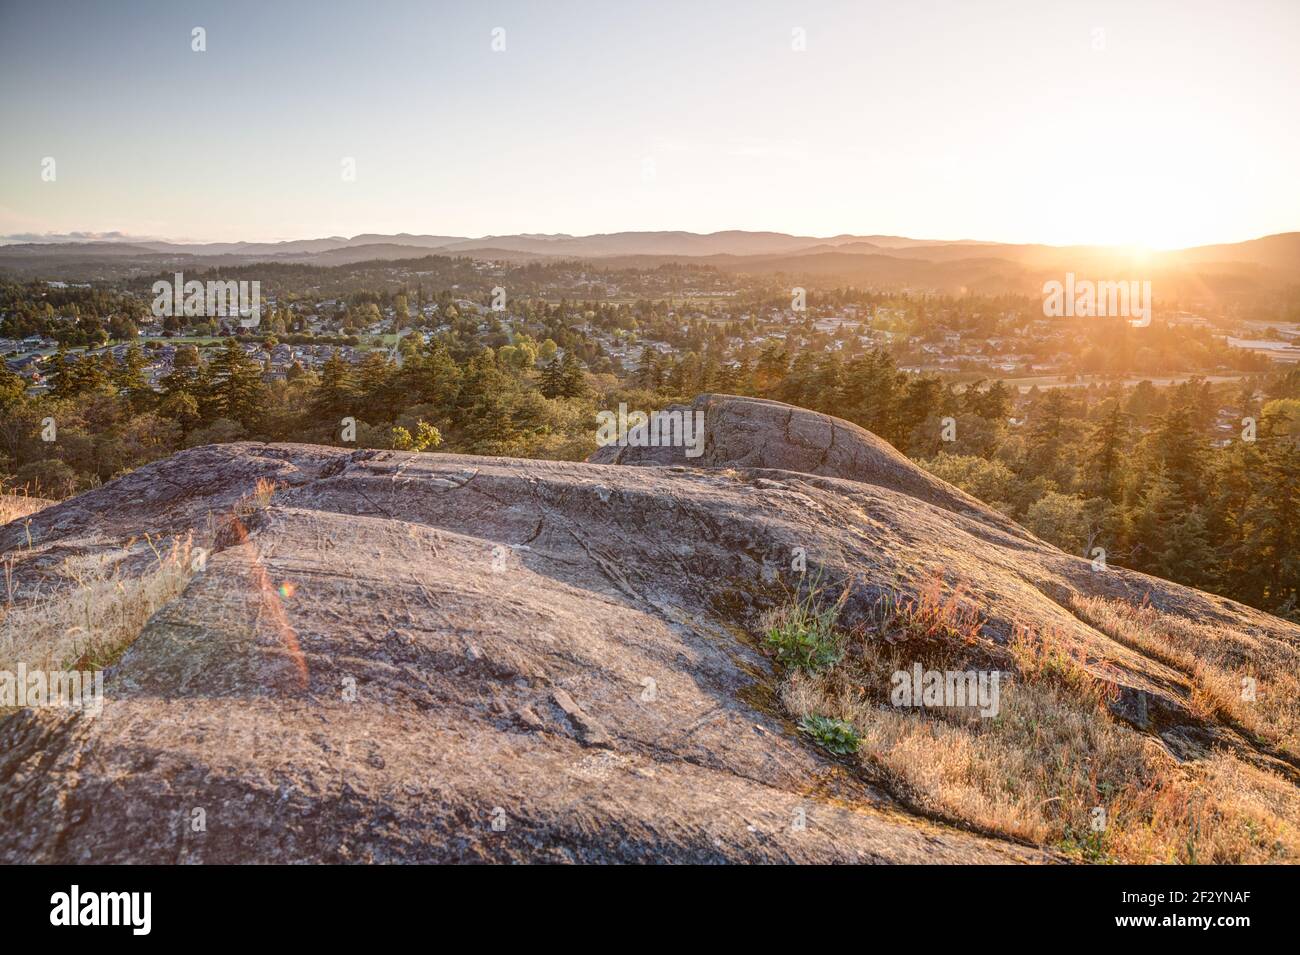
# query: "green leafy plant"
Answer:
x=804 y=636
x=835 y=735
x=1088 y=845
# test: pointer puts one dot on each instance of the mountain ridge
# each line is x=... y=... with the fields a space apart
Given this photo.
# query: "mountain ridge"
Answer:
x=954 y=267
x=652 y=242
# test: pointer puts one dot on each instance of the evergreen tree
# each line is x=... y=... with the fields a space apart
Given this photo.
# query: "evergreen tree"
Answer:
x=61 y=383
x=743 y=379
x=183 y=376
x=377 y=388
x=772 y=366
x=992 y=403
x=799 y=385
x=1272 y=531
x=237 y=390
x=650 y=373
x=876 y=402
x=683 y=378
x=710 y=375
x=1187 y=555
x=85 y=373
x=1106 y=447
x=336 y=392
x=827 y=384
x=12 y=388
x=573 y=377
x=1045 y=434
x=1157 y=510
x=552 y=380
x=484 y=406
x=1179 y=446
x=432 y=376
x=131 y=382
x=918 y=410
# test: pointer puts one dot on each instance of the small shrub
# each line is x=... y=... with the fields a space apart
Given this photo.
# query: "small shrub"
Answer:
x=426 y=437
x=1044 y=657
x=1089 y=845
x=834 y=735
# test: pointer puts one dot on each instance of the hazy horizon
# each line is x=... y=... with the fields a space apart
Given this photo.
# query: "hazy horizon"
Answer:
x=119 y=237
x=1167 y=126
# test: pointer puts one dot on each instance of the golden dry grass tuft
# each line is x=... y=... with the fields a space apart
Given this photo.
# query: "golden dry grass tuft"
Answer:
x=90 y=623
x=257 y=499
x=18 y=505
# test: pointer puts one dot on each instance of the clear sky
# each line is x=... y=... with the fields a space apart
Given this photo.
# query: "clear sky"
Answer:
x=1177 y=124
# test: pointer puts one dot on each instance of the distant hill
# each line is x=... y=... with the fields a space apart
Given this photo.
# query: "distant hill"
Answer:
x=1281 y=251
x=1268 y=262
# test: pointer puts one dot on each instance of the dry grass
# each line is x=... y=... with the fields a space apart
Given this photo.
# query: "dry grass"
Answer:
x=1052 y=755
x=90 y=622
x=16 y=505
x=260 y=497
x=96 y=609
x=935 y=618
x=1216 y=660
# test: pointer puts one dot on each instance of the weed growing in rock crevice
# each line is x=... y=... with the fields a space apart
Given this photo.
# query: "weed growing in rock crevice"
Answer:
x=834 y=735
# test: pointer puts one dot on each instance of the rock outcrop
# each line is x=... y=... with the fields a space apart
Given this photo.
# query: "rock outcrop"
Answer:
x=759 y=434
x=428 y=657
